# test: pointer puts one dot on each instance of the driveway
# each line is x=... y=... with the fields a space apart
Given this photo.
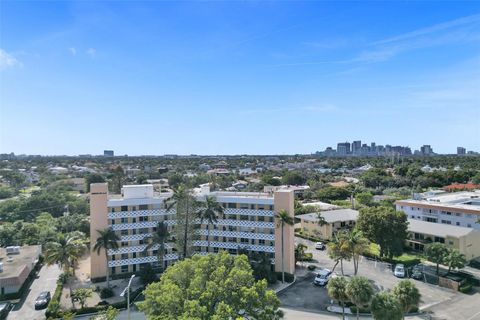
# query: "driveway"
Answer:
x=304 y=295
x=45 y=281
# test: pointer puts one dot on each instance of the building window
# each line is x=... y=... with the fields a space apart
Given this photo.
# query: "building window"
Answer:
x=215 y=250
x=134 y=220
x=134 y=208
x=261 y=218
x=270 y=207
x=134 y=255
x=450 y=242
x=124 y=232
x=143 y=207
x=112 y=270
x=112 y=222
x=124 y=243
x=124 y=269
x=124 y=220
x=124 y=208
x=261 y=242
x=457 y=223
x=124 y=256
x=232 y=205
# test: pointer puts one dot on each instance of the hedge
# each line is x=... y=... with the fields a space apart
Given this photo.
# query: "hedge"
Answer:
x=54 y=305
x=465 y=288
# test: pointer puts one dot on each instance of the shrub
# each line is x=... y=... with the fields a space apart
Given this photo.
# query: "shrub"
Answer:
x=465 y=288
x=106 y=293
x=54 y=305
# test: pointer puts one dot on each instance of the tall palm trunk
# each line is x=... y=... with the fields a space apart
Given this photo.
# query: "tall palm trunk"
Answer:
x=161 y=255
x=341 y=266
x=343 y=310
x=208 y=238
x=186 y=231
x=335 y=265
x=108 y=276
x=283 y=270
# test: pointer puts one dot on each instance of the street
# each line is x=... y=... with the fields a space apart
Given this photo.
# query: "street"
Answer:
x=45 y=281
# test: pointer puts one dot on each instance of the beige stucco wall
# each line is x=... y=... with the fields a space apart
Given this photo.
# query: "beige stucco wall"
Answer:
x=312 y=228
x=98 y=221
x=470 y=245
x=283 y=200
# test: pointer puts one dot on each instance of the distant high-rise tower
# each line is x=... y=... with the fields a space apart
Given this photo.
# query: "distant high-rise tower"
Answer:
x=108 y=153
x=426 y=150
x=343 y=148
x=461 y=150
x=356 y=147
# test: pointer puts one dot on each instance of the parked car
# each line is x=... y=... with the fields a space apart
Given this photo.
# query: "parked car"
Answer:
x=399 y=271
x=321 y=277
x=320 y=246
x=5 y=308
x=417 y=272
x=42 y=300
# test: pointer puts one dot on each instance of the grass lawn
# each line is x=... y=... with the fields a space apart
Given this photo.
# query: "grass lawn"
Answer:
x=408 y=257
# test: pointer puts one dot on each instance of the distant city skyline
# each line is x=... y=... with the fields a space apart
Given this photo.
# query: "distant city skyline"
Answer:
x=249 y=77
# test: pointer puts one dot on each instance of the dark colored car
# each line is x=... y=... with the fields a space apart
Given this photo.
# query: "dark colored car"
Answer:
x=42 y=300
x=5 y=308
x=417 y=272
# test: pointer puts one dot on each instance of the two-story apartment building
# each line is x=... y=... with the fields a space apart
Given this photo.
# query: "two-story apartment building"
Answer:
x=335 y=220
x=248 y=223
x=460 y=209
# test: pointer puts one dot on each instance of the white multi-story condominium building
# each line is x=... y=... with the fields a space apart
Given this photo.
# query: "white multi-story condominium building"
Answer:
x=458 y=209
x=248 y=223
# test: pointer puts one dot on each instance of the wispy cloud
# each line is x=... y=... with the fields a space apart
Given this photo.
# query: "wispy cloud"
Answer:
x=7 y=60
x=73 y=51
x=461 y=30
x=92 y=52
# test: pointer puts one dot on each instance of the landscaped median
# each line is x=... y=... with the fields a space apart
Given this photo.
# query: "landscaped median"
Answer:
x=54 y=311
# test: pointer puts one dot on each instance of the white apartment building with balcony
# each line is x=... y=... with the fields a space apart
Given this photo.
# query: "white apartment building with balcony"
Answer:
x=248 y=223
x=460 y=209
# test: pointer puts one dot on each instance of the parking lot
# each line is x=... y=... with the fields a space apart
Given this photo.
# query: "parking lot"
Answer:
x=305 y=296
x=45 y=281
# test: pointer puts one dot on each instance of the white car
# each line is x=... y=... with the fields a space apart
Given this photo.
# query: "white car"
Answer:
x=321 y=277
x=319 y=246
x=399 y=271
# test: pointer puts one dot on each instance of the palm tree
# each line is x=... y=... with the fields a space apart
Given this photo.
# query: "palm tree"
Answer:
x=359 y=291
x=158 y=238
x=386 y=306
x=283 y=218
x=106 y=240
x=357 y=244
x=407 y=295
x=337 y=289
x=300 y=252
x=339 y=250
x=210 y=212
x=321 y=220
x=454 y=260
x=184 y=203
x=65 y=252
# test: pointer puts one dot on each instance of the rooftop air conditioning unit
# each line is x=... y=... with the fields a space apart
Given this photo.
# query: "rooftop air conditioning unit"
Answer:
x=13 y=250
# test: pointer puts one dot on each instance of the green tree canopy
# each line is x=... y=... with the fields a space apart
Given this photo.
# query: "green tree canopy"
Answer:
x=436 y=253
x=359 y=291
x=385 y=306
x=217 y=286
x=385 y=227
x=454 y=259
x=407 y=295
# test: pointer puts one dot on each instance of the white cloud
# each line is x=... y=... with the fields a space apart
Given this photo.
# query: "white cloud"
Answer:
x=92 y=52
x=7 y=60
x=73 y=51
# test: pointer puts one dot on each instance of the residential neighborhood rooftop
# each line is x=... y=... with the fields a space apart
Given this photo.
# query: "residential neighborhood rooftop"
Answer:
x=438 y=229
x=331 y=215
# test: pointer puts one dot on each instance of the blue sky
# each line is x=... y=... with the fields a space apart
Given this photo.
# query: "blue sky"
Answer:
x=237 y=77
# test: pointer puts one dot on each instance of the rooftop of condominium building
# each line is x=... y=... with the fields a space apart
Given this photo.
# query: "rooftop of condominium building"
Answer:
x=438 y=229
x=331 y=216
x=456 y=200
x=14 y=259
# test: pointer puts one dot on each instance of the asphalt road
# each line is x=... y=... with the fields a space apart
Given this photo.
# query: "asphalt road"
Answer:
x=45 y=281
x=303 y=294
